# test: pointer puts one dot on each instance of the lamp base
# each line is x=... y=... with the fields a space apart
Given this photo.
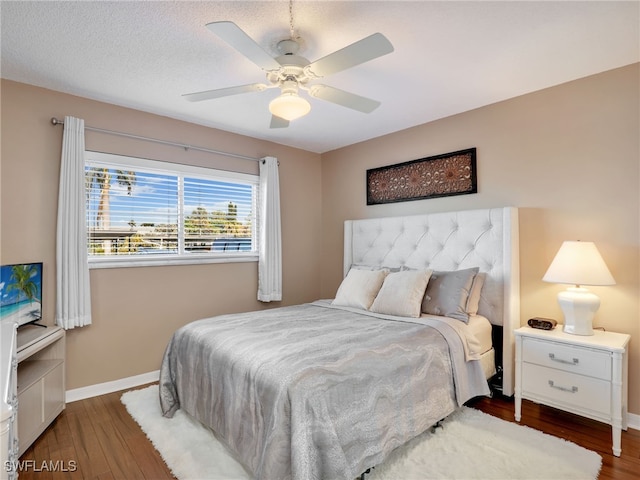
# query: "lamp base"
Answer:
x=579 y=306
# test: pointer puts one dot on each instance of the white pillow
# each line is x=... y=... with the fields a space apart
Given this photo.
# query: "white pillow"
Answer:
x=401 y=293
x=359 y=288
x=473 y=301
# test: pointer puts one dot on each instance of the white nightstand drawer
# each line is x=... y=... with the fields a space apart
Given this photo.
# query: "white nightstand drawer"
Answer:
x=578 y=360
x=569 y=389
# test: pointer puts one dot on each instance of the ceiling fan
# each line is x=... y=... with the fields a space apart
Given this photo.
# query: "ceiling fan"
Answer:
x=291 y=73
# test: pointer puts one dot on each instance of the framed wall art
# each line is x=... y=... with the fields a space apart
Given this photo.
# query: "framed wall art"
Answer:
x=438 y=176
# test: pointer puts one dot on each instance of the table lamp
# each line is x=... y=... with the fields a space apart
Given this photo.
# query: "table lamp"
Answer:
x=578 y=263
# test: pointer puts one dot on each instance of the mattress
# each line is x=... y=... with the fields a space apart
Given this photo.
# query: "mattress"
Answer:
x=478 y=332
x=481 y=328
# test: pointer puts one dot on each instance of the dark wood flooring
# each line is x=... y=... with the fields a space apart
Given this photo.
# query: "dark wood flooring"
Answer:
x=97 y=439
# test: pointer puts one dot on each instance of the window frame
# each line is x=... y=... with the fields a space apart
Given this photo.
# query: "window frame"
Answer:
x=177 y=169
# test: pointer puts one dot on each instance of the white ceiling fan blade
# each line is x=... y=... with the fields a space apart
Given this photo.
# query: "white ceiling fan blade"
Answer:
x=368 y=48
x=224 y=92
x=238 y=39
x=277 y=122
x=346 y=99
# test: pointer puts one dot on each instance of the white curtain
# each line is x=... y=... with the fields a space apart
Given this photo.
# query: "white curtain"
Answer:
x=73 y=299
x=270 y=236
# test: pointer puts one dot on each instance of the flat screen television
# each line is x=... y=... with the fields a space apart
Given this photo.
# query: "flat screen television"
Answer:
x=21 y=292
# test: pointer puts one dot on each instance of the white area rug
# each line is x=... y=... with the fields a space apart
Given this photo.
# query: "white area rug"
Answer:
x=471 y=445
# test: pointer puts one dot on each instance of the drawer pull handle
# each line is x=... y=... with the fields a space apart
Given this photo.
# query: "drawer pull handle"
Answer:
x=574 y=361
x=564 y=389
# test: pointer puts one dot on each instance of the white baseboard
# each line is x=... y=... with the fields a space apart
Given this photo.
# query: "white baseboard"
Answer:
x=110 y=387
x=633 y=421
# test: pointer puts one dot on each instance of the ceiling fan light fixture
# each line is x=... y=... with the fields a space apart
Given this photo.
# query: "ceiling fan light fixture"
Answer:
x=289 y=106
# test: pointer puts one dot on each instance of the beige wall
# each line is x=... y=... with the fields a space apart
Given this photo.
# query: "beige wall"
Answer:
x=135 y=310
x=568 y=157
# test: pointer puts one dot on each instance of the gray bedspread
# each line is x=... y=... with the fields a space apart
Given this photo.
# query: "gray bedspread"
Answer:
x=314 y=391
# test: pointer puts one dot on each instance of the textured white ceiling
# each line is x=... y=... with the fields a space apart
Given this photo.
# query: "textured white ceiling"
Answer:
x=449 y=56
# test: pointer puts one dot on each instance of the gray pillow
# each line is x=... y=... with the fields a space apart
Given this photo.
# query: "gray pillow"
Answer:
x=447 y=293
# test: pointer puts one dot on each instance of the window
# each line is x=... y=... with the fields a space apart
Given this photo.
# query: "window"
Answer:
x=146 y=212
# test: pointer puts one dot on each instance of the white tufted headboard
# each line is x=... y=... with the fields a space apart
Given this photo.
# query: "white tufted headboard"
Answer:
x=486 y=238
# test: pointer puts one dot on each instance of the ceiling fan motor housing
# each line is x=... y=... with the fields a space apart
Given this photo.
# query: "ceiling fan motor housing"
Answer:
x=288 y=46
x=293 y=66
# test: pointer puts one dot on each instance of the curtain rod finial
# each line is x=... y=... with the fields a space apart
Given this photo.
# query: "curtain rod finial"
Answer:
x=55 y=121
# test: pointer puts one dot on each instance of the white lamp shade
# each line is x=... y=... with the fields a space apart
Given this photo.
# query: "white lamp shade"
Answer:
x=289 y=106
x=579 y=263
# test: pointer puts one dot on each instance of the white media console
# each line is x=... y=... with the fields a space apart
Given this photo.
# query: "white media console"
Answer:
x=33 y=386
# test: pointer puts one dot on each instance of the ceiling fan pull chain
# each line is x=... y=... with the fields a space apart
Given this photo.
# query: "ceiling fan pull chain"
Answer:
x=291 y=29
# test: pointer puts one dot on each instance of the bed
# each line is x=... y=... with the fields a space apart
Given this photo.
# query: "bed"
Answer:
x=328 y=389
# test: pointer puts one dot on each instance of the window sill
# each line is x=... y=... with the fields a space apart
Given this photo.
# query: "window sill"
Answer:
x=161 y=261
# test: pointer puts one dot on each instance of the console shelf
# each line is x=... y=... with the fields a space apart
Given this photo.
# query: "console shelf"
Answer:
x=41 y=380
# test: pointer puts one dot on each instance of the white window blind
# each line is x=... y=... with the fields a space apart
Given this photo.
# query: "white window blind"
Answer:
x=142 y=212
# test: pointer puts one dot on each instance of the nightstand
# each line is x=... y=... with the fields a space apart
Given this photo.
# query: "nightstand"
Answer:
x=585 y=375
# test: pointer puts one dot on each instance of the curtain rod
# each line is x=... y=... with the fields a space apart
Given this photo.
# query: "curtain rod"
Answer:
x=55 y=122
